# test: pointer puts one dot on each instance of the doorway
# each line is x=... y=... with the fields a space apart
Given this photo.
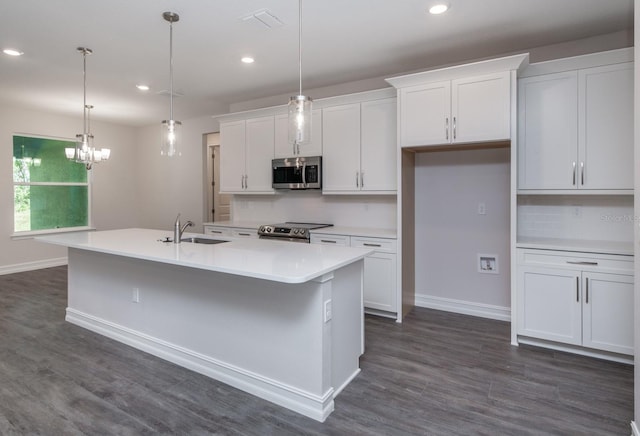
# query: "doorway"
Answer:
x=218 y=205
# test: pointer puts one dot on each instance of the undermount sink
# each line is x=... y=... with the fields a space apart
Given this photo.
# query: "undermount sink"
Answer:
x=196 y=240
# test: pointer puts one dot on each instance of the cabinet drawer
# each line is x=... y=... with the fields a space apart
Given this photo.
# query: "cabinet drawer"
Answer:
x=342 y=240
x=575 y=260
x=378 y=244
x=218 y=231
x=244 y=233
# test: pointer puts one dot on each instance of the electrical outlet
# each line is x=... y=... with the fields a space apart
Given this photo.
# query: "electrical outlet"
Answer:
x=327 y=311
x=482 y=209
x=135 y=295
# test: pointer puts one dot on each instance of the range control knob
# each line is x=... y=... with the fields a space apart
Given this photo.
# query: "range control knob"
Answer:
x=295 y=231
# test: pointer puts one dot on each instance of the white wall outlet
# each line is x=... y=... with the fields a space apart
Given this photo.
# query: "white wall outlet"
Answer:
x=327 y=311
x=135 y=295
x=482 y=208
x=488 y=263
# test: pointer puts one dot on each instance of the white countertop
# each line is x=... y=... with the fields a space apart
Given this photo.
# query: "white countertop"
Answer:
x=279 y=261
x=333 y=230
x=602 y=247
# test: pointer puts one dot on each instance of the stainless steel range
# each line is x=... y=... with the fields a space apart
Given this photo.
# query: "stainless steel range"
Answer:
x=294 y=232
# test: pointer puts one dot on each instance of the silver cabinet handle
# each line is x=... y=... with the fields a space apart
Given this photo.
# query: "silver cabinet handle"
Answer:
x=581 y=262
x=574 y=174
x=582 y=173
x=298 y=147
x=244 y=234
x=294 y=147
x=362 y=179
x=328 y=241
x=215 y=231
x=578 y=289
x=246 y=181
x=446 y=127
x=366 y=244
x=454 y=128
x=357 y=179
x=587 y=290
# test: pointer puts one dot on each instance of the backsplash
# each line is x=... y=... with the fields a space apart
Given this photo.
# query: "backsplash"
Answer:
x=370 y=211
x=596 y=218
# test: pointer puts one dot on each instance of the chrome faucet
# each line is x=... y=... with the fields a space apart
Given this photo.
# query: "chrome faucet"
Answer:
x=178 y=229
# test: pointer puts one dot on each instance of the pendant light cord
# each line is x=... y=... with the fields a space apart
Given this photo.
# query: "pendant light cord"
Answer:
x=84 y=99
x=171 y=70
x=300 y=45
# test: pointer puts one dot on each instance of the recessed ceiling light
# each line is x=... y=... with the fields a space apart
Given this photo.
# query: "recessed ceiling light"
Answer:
x=142 y=87
x=248 y=60
x=439 y=8
x=12 y=52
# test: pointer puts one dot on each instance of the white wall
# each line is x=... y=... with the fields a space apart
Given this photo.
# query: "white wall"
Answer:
x=168 y=186
x=449 y=233
x=114 y=202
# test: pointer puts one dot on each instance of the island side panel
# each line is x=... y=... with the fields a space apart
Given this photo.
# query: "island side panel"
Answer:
x=265 y=337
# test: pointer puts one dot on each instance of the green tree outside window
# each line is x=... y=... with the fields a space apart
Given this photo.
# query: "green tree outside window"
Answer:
x=50 y=191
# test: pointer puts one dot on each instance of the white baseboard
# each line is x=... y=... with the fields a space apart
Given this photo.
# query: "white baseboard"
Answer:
x=308 y=404
x=634 y=429
x=464 y=307
x=31 y=266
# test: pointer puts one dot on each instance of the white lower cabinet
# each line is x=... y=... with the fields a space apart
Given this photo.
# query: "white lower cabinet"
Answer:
x=380 y=290
x=576 y=298
x=233 y=232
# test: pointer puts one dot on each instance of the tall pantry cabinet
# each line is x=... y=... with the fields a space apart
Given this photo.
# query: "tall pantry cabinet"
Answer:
x=575 y=205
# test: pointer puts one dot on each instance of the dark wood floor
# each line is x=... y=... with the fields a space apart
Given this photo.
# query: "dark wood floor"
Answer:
x=436 y=374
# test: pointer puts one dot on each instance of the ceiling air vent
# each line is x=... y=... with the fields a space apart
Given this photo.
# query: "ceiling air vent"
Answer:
x=264 y=18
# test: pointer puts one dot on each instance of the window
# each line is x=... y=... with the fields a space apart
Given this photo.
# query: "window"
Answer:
x=49 y=191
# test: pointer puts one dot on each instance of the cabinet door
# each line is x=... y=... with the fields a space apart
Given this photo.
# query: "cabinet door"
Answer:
x=608 y=312
x=380 y=281
x=378 y=148
x=341 y=148
x=259 y=149
x=606 y=127
x=481 y=108
x=425 y=114
x=232 y=153
x=547 y=131
x=282 y=147
x=549 y=304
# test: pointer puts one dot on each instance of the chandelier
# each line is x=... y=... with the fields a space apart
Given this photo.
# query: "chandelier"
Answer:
x=84 y=151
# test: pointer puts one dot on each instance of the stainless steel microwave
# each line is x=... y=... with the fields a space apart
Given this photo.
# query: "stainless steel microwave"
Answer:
x=297 y=173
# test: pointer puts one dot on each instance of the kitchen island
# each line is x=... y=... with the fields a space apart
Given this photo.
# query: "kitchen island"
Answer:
x=282 y=321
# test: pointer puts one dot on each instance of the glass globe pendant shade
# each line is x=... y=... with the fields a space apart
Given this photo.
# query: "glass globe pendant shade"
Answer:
x=300 y=108
x=170 y=138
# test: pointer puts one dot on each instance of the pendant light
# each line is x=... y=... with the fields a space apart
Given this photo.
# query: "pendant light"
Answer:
x=299 y=105
x=170 y=128
x=85 y=152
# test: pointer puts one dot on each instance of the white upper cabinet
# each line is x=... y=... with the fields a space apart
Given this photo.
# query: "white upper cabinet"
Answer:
x=465 y=110
x=341 y=148
x=232 y=155
x=425 y=111
x=246 y=154
x=359 y=147
x=378 y=145
x=605 y=135
x=481 y=108
x=284 y=149
x=576 y=130
x=548 y=131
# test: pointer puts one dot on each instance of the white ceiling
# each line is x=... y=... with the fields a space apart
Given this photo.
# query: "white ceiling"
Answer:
x=343 y=40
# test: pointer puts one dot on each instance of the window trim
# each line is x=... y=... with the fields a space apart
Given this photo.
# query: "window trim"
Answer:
x=30 y=234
